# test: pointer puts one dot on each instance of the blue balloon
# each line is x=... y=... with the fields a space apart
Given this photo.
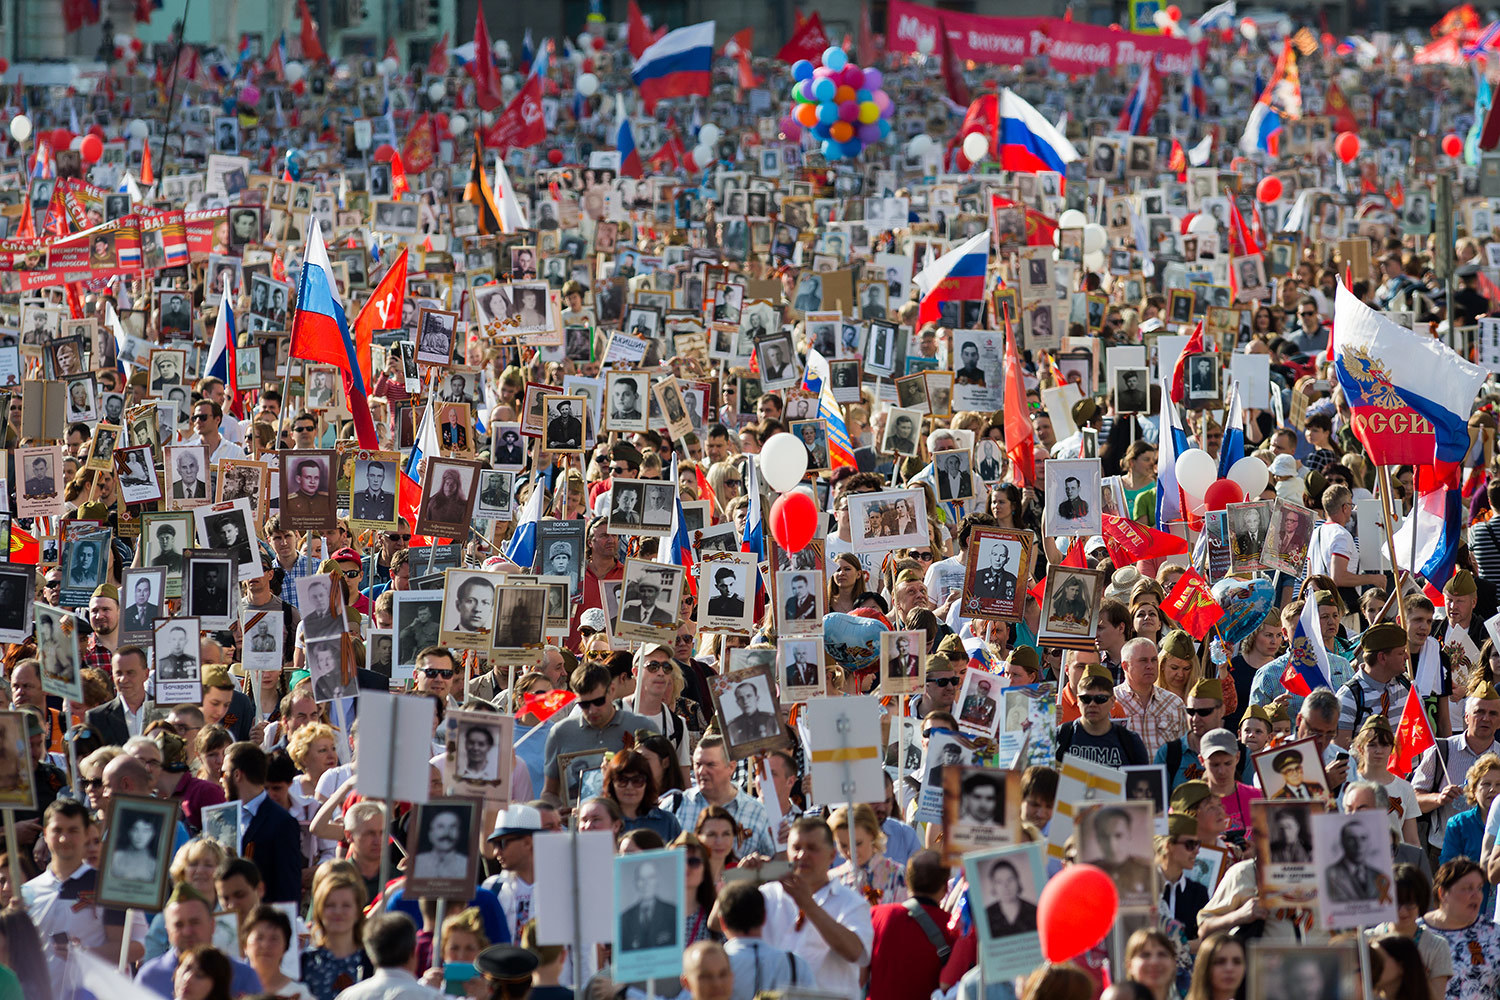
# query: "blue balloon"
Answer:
x=864 y=95
x=885 y=127
x=1246 y=604
x=802 y=70
x=850 y=641
x=828 y=112
x=824 y=89
x=832 y=150
x=853 y=147
x=820 y=130
x=834 y=58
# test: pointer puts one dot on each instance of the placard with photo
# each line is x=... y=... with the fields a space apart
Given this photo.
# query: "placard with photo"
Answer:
x=799 y=601
x=187 y=476
x=17 y=591
x=445 y=508
x=17 y=775
x=1005 y=884
x=726 y=579
x=903 y=662
x=979 y=702
x=1132 y=389
x=143 y=592
x=1117 y=837
x=778 y=362
x=1356 y=885
x=415 y=619
x=264 y=632
x=954 y=475
x=981 y=809
x=40 y=469
x=136 y=852
x=640 y=506
x=997 y=569
x=1070 y=607
x=888 y=520
x=650 y=898
x=748 y=710
x=814 y=437
x=1073 y=491
x=85 y=565
x=1292 y=771
x=468 y=608
x=443 y=848
x=1247 y=525
x=1288 y=536
x=135 y=472
x=436 y=336
x=478 y=759
x=308 y=499
x=562 y=423
x=57 y=649
x=903 y=432
x=209 y=590
x=175 y=659
x=627 y=409
x=651 y=602
x=802 y=666
x=222 y=825
x=164 y=536
x=497 y=495
x=1282 y=830
x=1302 y=971
x=230 y=526
x=372 y=491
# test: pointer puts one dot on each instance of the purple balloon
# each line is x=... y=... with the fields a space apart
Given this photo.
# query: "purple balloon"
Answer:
x=868 y=134
x=789 y=127
x=849 y=111
x=873 y=78
x=854 y=76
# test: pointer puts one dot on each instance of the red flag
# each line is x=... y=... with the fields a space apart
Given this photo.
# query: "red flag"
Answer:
x=953 y=80
x=312 y=49
x=1241 y=240
x=639 y=35
x=807 y=42
x=1129 y=542
x=1018 y=432
x=545 y=706
x=390 y=50
x=148 y=176
x=1191 y=604
x=437 y=60
x=1413 y=737
x=420 y=147
x=521 y=123
x=738 y=49
x=1179 y=370
x=1291 y=680
x=1177 y=161
x=399 y=184
x=24 y=548
x=1457 y=21
x=26 y=228
x=1336 y=106
x=865 y=52
x=482 y=69
x=381 y=311
x=672 y=153
x=1397 y=195
x=1041 y=230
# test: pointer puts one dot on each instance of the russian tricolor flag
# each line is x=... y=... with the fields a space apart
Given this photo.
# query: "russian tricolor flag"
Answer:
x=677 y=65
x=955 y=276
x=221 y=359
x=1028 y=141
x=521 y=549
x=1307 y=667
x=320 y=332
x=677 y=549
x=1262 y=122
x=630 y=157
x=1136 y=116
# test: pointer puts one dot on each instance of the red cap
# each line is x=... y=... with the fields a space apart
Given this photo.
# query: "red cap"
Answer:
x=348 y=555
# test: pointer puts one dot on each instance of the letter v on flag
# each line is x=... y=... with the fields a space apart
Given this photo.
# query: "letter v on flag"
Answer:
x=320 y=332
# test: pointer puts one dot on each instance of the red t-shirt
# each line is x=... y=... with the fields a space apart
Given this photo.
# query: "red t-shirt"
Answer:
x=903 y=963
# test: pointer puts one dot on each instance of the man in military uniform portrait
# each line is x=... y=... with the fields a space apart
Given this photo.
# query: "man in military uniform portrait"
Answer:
x=1289 y=765
x=1113 y=837
x=751 y=722
x=726 y=604
x=374 y=502
x=169 y=556
x=969 y=373
x=995 y=581
x=1073 y=506
x=39 y=481
x=902 y=438
x=625 y=400
x=175 y=663
x=309 y=498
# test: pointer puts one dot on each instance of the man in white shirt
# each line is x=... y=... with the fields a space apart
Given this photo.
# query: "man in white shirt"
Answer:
x=1332 y=551
x=208 y=416
x=756 y=965
x=390 y=941
x=511 y=839
x=823 y=922
x=60 y=901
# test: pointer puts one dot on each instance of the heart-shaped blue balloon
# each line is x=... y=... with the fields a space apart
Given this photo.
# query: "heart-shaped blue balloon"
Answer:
x=852 y=642
x=1246 y=604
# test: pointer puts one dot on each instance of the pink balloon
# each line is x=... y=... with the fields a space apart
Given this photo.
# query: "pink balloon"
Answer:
x=849 y=111
x=882 y=101
x=854 y=76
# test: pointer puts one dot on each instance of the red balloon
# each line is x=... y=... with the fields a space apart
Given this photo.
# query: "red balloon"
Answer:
x=1223 y=492
x=1268 y=190
x=61 y=139
x=1076 y=909
x=4 y=65
x=1273 y=143
x=598 y=44
x=1347 y=146
x=794 y=519
x=384 y=153
x=1174 y=12
x=1453 y=145
x=554 y=156
x=91 y=149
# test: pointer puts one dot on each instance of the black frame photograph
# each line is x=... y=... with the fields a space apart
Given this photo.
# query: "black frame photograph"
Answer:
x=443 y=848
x=133 y=874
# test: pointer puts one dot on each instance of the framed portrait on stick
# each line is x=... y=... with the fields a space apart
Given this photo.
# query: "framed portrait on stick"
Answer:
x=749 y=711
x=443 y=848
x=137 y=852
x=997 y=569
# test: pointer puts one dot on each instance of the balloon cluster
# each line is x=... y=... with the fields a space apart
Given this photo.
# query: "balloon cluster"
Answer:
x=1198 y=475
x=842 y=104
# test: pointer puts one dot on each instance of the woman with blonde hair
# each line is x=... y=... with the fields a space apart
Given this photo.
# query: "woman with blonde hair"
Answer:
x=194 y=865
x=337 y=921
x=725 y=480
x=865 y=867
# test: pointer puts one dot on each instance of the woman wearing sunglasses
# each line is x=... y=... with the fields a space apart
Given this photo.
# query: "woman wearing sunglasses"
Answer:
x=628 y=780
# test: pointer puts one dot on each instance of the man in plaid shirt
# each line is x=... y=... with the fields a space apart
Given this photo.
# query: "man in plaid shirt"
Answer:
x=104 y=619
x=1153 y=713
x=294 y=565
x=715 y=774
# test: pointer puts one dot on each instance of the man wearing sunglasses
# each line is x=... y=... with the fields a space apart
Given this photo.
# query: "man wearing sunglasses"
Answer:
x=1183 y=896
x=1205 y=711
x=1095 y=736
x=596 y=725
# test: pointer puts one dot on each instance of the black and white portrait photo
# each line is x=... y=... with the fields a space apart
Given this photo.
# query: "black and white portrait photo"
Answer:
x=468 y=608
x=17 y=589
x=799 y=596
x=496 y=495
x=650 y=600
x=308 y=497
x=136 y=474
x=725 y=581
x=1073 y=496
x=187 y=471
x=628 y=401
x=57 y=650
x=85 y=563
x=520 y=617
x=563 y=423
x=903 y=662
x=1132 y=390
x=135 y=854
x=436 y=336
x=415 y=622
x=749 y=713
x=324 y=663
x=176 y=659
x=448 y=497
x=778 y=361
x=1202 y=377
x=890 y=519
x=372 y=499
x=443 y=847
x=953 y=475
x=1070 y=604
x=322 y=612
x=229 y=526
x=902 y=432
x=1007 y=882
x=649 y=930
x=211 y=590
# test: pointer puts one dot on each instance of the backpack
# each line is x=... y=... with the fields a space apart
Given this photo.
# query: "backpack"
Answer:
x=1361 y=710
x=924 y=921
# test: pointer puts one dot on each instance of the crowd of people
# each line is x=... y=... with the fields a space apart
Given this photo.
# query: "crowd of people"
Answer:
x=666 y=488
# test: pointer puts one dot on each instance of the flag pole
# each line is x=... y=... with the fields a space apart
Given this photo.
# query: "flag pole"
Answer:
x=1387 y=518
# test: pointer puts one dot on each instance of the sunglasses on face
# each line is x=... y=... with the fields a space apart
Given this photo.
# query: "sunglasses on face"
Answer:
x=943 y=682
x=1202 y=713
x=1094 y=699
x=434 y=672
x=593 y=702
x=694 y=861
x=631 y=780
x=1189 y=843
x=398 y=538
x=304 y=430
x=656 y=667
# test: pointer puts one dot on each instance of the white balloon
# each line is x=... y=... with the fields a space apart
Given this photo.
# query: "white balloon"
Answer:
x=1203 y=224
x=436 y=91
x=20 y=128
x=508 y=82
x=388 y=67
x=1251 y=475
x=783 y=462
x=709 y=134
x=1220 y=86
x=587 y=84
x=703 y=155
x=920 y=145
x=1093 y=261
x=976 y=146
x=501 y=49
x=458 y=124
x=1161 y=20
x=294 y=71
x=1196 y=471
x=585 y=40
x=925 y=44
x=139 y=129
x=76 y=144
x=1094 y=238
x=1072 y=219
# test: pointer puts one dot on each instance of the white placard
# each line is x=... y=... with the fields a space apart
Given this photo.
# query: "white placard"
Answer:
x=1253 y=373
x=388 y=721
x=555 y=868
